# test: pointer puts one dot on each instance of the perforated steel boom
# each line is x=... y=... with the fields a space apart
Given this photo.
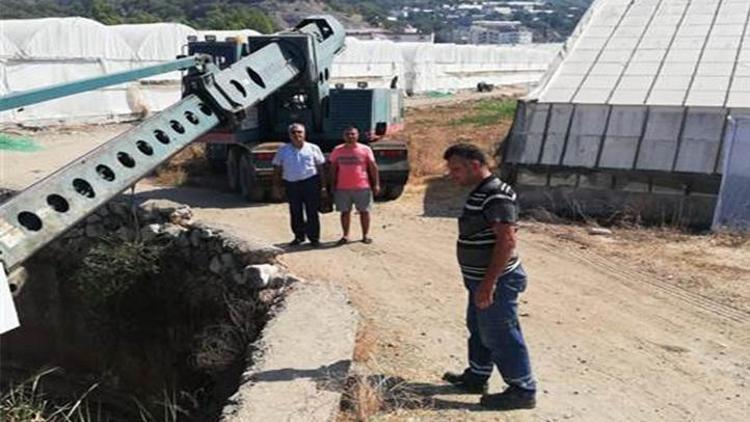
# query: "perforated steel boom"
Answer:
x=40 y=213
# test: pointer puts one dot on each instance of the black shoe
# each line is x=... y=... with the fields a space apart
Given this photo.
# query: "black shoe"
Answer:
x=315 y=243
x=510 y=399
x=296 y=242
x=467 y=382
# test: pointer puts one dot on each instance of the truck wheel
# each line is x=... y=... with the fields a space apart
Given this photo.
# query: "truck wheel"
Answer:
x=393 y=191
x=249 y=187
x=233 y=171
x=217 y=167
x=276 y=194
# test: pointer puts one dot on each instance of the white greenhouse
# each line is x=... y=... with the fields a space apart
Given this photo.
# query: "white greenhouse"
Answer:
x=639 y=112
x=43 y=52
x=55 y=50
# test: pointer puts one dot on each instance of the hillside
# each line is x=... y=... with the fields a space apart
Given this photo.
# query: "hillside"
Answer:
x=549 y=20
x=262 y=15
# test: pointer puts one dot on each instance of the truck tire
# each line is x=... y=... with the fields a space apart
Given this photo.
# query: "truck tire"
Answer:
x=249 y=187
x=217 y=167
x=233 y=171
x=393 y=192
x=276 y=194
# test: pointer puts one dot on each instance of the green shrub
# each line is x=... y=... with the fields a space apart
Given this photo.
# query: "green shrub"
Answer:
x=112 y=267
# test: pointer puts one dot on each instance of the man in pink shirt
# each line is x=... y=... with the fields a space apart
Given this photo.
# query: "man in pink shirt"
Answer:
x=354 y=178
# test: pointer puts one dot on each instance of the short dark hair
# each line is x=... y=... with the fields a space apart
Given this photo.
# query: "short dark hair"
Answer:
x=294 y=125
x=467 y=152
x=350 y=127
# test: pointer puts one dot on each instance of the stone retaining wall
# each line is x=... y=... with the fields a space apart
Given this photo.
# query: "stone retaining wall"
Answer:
x=290 y=373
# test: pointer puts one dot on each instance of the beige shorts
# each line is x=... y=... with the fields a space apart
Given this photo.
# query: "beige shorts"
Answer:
x=361 y=198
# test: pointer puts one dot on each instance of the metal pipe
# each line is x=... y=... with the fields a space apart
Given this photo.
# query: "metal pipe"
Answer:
x=39 y=95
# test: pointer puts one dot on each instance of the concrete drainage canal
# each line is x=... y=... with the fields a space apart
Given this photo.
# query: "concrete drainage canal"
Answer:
x=136 y=314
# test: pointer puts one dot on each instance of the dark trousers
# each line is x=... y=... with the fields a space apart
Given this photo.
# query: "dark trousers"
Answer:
x=304 y=201
x=495 y=335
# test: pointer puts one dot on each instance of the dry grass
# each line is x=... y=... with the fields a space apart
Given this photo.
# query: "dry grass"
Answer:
x=365 y=344
x=176 y=171
x=361 y=400
x=28 y=402
x=430 y=130
x=365 y=397
x=171 y=176
x=730 y=239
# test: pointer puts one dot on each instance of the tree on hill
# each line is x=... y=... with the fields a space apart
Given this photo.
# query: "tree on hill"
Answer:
x=103 y=12
x=236 y=17
x=200 y=14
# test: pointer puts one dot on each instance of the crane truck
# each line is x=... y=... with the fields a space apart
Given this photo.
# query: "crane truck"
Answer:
x=272 y=81
x=243 y=149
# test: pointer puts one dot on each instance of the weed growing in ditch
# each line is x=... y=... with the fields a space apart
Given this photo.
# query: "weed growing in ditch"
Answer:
x=112 y=267
x=162 y=322
x=27 y=402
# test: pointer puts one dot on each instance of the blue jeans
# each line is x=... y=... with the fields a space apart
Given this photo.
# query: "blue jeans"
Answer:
x=495 y=335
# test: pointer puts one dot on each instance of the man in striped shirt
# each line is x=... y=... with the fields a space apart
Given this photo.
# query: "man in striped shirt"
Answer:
x=494 y=278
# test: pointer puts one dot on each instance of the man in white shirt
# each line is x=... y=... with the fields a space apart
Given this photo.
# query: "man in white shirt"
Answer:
x=300 y=165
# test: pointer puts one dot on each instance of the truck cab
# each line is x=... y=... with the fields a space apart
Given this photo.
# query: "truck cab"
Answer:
x=244 y=149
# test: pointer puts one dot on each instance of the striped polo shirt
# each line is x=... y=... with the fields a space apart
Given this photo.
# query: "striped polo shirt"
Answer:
x=492 y=201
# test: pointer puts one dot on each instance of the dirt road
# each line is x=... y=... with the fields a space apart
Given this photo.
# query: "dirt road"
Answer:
x=609 y=341
x=631 y=327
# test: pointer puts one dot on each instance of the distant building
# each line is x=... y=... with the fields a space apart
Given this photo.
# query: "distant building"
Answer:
x=493 y=32
x=409 y=35
x=469 y=7
x=502 y=10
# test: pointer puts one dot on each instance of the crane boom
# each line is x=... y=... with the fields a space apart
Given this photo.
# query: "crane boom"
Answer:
x=45 y=210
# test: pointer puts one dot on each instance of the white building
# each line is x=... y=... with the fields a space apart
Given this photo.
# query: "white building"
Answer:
x=498 y=32
x=384 y=34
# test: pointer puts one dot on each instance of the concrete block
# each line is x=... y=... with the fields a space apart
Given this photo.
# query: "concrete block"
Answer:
x=595 y=181
x=250 y=252
x=304 y=357
x=563 y=179
x=150 y=231
x=531 y=178
x=266 y=276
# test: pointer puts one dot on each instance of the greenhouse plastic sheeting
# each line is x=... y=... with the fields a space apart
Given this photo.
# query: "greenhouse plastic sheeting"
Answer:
x=65 y=38
x=41 y=52
x=445 y=67
x=733 y=206
x=376 y=62
x=155 y=41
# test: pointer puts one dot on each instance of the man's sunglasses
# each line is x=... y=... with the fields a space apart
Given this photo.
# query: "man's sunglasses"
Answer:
x=298 y=131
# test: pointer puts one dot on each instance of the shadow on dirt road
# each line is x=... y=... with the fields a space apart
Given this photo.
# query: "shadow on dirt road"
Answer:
x=194 y=197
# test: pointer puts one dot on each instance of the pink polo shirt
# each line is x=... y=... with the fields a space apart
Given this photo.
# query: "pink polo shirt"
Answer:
x=352 y=166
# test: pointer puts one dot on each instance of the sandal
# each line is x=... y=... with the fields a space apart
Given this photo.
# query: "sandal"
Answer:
x=366 y=240
x=342 y=241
